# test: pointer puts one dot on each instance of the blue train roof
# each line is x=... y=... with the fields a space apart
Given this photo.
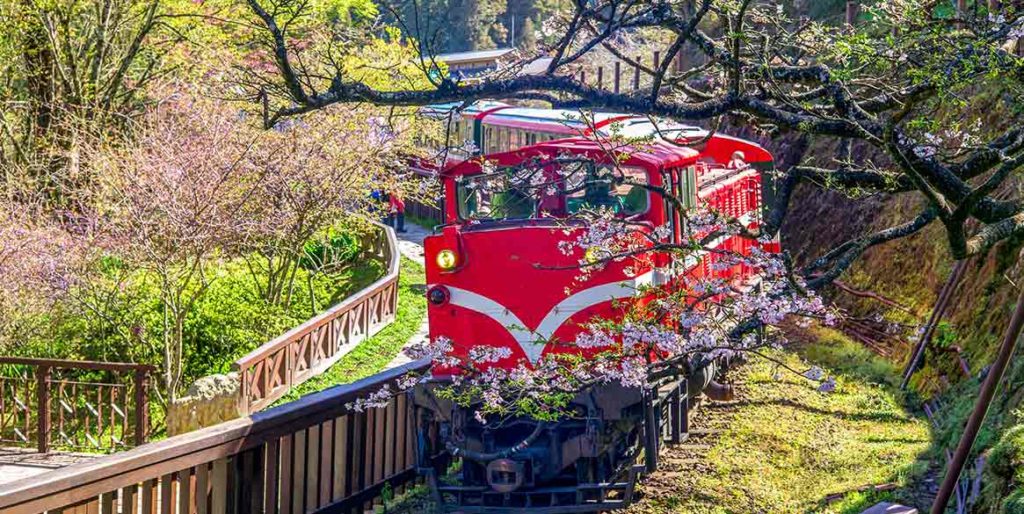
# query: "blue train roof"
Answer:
x=630 y=126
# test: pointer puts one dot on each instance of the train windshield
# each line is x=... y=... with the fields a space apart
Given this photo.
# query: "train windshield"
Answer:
x=556 y=190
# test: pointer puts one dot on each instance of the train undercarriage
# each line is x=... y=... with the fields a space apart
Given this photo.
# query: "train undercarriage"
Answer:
x=587 y=462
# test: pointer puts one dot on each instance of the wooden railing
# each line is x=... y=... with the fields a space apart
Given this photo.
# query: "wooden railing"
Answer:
x=268 y=372
x=313 y=454
x=48 y=403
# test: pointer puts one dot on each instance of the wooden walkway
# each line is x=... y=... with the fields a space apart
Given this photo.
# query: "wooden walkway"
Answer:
x=18 y=463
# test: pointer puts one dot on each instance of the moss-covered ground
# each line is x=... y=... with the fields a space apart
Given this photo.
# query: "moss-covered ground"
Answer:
x=785 y=447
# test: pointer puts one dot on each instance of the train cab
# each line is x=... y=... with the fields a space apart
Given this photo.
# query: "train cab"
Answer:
x=499 y=272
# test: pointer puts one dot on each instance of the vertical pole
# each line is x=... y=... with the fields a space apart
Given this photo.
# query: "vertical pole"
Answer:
x=583 y=77
x=243 y=388
x=636 y=73
x=618 y=75
x=675 y=423
x=988 y=390
x=657 y=60
x=851 y=14
x=600 y=77
x=650 y=432
x=43 y=405
x=141 y=406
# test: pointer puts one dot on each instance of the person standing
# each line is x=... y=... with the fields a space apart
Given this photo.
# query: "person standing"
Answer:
x=397 y=211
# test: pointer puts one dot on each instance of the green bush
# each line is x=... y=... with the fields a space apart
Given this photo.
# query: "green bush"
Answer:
x=1004 y=473
x=118 y=315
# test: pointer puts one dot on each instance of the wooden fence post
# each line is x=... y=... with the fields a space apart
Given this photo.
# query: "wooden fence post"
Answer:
x=141 y=406
x=851 y=14
x=43 y=404
x=600 y=77
x=243 y=389
x=618 y=75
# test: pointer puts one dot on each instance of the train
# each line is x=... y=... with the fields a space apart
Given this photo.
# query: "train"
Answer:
x=495 y=276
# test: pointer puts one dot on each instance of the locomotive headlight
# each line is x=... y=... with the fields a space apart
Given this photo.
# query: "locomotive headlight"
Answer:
x=446 y=259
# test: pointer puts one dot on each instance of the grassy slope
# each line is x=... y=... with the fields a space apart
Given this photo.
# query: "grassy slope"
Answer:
x=785 y=446
x=373 y=354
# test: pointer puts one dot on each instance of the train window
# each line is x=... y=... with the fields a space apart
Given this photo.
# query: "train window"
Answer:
x=468 y=127
x=507 y=194
x=553 y=190
x=618 y=188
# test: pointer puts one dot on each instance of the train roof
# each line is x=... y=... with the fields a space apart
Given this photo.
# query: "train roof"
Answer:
x=474 y=108
x=567 y=121
x=656 y=154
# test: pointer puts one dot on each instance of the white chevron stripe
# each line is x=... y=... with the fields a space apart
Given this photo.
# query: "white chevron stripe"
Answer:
x=532 y=342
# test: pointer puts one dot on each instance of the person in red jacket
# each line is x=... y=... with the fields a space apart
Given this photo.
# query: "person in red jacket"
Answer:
x=397 y=211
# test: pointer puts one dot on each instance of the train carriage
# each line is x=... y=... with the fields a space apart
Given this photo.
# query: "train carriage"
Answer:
x=497 y=277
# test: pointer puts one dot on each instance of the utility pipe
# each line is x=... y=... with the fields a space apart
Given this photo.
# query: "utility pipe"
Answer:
x=933 y=321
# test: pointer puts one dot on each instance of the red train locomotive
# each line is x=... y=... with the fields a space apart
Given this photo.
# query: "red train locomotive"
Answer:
x=496 y=277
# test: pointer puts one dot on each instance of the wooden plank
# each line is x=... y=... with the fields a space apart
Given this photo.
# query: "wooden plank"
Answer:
x=247 y=501
x=299 y=472
x=358 y=449
x=166 y=494
x=375 y=452
x=326 y=454
x=219 y=487
x=185 y=491
x=271 y=464
x=129 y=499
x=107 y=503
x=202 y=489
x=287 y=460
x=312 y=466
x=367 y=448
x=411 y=436
x=401 y=427
x=341 y=456
x=389 y=438
x=148 y=497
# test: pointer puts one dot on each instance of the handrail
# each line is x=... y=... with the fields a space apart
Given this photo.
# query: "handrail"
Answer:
x=73 y=364
x=270 y=371
x=296 y=457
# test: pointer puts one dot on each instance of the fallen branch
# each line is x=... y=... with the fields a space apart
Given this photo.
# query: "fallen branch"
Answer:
x=842 y=286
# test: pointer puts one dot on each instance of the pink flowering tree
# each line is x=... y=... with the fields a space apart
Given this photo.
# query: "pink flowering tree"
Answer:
x=41 y=260
x=171 y=200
